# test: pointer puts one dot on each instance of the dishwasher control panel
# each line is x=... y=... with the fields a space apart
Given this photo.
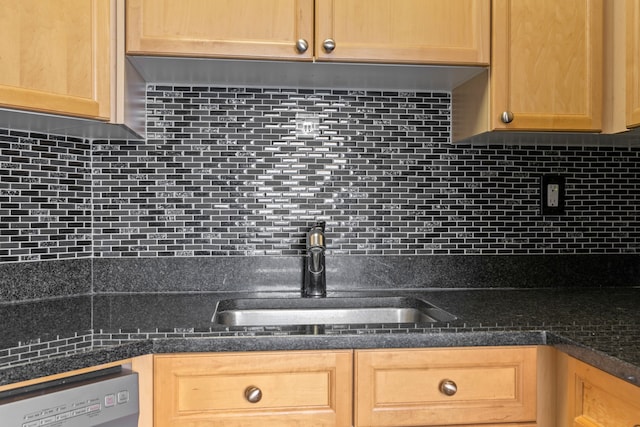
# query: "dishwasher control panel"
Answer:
x=110 y=401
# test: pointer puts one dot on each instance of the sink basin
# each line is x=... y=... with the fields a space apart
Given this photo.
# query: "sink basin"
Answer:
x=326 y=311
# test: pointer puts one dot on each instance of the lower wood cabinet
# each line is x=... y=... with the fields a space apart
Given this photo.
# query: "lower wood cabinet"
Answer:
x=593 y=398
x=297 y=388
x=420 y=387
x=396 y=387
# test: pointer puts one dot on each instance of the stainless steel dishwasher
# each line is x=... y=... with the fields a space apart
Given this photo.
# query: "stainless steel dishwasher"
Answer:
x=107 y=398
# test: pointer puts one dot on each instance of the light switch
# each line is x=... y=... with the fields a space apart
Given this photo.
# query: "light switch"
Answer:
x=552 y=195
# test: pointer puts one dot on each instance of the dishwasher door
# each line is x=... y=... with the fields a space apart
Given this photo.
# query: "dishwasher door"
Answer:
x=107 y=401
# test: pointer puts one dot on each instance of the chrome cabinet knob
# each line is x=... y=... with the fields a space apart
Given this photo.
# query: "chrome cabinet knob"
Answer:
x=253 y=394
x=507 y=117
x=302 y=45
x=448 y=387
x=329 y=45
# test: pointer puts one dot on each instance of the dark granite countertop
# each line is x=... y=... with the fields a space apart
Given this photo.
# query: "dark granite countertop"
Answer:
x=600 y=326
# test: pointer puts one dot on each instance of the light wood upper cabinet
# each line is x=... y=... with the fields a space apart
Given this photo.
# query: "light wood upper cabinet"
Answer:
x=633 y=62
x=546 y=71
x=220 y=28
x=261 y=389
x=404 y=31
x=55 y=56
x=546 y=64
x=621 y=64
x=420 y=387
x=387 y=31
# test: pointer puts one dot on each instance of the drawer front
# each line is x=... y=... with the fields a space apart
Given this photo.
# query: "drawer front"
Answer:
x=269 y=391
x=603 y=400
x=261 y=389
x=412 y=387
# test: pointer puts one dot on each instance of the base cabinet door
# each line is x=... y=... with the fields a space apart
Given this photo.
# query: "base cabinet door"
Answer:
x=421 y=387
x=55 y=56
x=597 y=399
x=306 y=388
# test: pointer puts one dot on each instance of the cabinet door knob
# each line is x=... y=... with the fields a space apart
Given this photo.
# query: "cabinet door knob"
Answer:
x=302 y=45
x=329 y=45
x=253 y=394
x=507 y=117
x=448 y=387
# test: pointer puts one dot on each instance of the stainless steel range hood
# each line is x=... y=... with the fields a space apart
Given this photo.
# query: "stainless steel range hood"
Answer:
x=288 y=74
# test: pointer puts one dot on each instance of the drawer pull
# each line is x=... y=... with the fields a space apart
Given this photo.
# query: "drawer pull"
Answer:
x=302 y=45
x=506 y=117
x=253 y=394
x=448 y=387
x=329 y=45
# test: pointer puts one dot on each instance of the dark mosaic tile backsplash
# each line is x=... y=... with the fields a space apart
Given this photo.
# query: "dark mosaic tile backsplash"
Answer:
x=45 y=197
x=244 y=171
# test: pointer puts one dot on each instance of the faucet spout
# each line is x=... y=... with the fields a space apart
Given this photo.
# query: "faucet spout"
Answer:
x=315 y=282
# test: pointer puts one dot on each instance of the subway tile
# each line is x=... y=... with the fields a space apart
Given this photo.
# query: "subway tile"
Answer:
x=223 y=172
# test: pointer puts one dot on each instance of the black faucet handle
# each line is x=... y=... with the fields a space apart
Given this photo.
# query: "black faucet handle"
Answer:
x=320 y=224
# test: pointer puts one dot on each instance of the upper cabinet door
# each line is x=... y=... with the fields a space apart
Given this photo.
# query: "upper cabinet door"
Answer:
x=55 y=56
x=403 y=31
x=633 y=63
x=271 y=29
x=546 y=65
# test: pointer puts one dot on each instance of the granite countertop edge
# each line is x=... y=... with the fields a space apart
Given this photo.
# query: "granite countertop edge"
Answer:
x=597 y=326
x=43 y=368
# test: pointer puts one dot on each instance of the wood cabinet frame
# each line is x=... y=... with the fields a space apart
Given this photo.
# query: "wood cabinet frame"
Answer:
x=41 y=87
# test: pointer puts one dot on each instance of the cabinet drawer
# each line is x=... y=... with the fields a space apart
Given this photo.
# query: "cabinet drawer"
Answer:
x=404 y=387
x=289 y=388
x=603 y=400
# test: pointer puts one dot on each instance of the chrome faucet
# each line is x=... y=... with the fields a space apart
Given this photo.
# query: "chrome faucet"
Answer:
x=315 y=281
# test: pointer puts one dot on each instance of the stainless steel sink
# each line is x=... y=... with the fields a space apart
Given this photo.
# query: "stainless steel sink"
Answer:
x=325 y=311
